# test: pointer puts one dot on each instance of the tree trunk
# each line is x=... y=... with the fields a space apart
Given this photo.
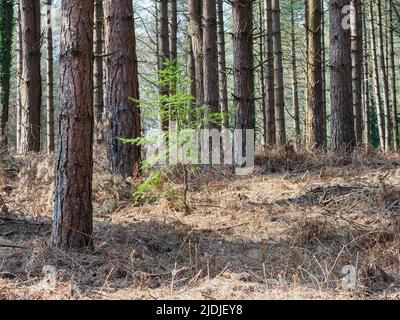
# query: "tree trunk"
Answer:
x=174 y=31
x=18 y=106
x=164 y=57
x=356 y=57
x=223 y=79
x=98 y=68
x=210 y=40
x=73 y=211
x=393 y=80
x=262 y=70
x=123 y=115
x=367 y=122
x=278 y=74
x=377 y=87
x=31 y=79
x=50 y=79
x=315 y=111
x=343 y=138
x=6 y=32
x=295 y=89
x=383 y=72
x=196 y=34
x=243 y=65
x=269 y=76
x=324 y=100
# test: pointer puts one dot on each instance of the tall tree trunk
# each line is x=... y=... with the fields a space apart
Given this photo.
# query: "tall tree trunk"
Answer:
x=174 y=31
x=324 y=100
x=278 y=74
x=73 y=210
x=356 y=57
x=383 y=72
x=243 y=65
x=196 y=33
x=315 y=112
x=295 y=89
x=269 y=76
x=377 y=87
x=210 y=46
x=164 y=57
x=393 y=80
x=343 y=138
x=19 y=77
x=366 y=91
x=98 y=69
x=50 y=79
x=261 y=11
x=6 y=32
x=31 y=79
x=223 y=78
x=123 y=115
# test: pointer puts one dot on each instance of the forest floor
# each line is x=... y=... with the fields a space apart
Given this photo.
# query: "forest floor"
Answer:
x=301 y=227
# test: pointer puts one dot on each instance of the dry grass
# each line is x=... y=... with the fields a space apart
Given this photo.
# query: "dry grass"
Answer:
x=285 y=232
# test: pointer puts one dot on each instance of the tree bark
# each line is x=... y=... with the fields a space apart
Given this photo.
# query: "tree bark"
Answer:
x=269 y=77
x=6 y=32
x=278 y=74
x=123 y=115
x=31 y=79
x=343 y=138
x=315 y=111
x=295 y=87
x=50 y=79
x=223 y=78
x=98 y=68
x=164 y=57
x=73 y=211
x=393 y=80
x=366 y=91
x=196 y=33
x=357 y=57
x=243 y=63
x=383 y=73
x=377 y=87
x=18 y=106
x=210 y=40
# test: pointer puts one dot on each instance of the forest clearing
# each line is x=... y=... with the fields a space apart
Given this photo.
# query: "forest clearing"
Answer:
x=278 y=234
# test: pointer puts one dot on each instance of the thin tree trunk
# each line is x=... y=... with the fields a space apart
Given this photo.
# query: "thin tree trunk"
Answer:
x=278 y=74
x=196 y=33
x=295 y=89
x=343 y=138
x=377 y=87
x=31 y=79
x=210 y=46
x=393 y=80
x=262 y=69
x=324 y=100
x=315 y=112
x=269 y=76
x=6 y=32
x=174 y=31
x=98 y=69
x=366 y=78
x=123 y=115
x=223 y=79
x=382 y=70
x=164 y=57
x=19 y=77
x=50 y=80
x=356 y=57
x=73 y=210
